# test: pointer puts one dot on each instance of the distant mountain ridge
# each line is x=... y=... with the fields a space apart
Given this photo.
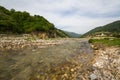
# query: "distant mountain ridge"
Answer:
x=111 y=29
x=73 y=34
x=17 y=22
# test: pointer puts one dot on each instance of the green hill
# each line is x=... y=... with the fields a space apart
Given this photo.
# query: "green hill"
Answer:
x=112 y=29
x=17 y=22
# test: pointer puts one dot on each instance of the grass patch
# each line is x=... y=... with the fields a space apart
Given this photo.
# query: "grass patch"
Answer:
x=106 y=41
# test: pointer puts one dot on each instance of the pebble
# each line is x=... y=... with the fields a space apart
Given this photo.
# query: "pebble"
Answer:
x=72 y=70
x=93 y=76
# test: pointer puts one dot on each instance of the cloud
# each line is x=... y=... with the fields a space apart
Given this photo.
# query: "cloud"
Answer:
x=71 y=15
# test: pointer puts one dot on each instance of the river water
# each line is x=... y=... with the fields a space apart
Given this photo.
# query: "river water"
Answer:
x=63 y=61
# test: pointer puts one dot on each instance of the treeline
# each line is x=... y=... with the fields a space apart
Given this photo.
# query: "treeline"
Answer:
x=113 y=28
x=22 y=22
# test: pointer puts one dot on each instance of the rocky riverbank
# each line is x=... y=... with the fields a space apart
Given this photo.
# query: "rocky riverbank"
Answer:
x=57 y=59
x=107 y=63
x=22 y=42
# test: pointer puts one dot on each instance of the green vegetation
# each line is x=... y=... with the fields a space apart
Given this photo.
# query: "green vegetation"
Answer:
x=106 y=41
x=12 y=21
x=62 y=33
x=72 y=34
x=22 y=22
x=112 y=28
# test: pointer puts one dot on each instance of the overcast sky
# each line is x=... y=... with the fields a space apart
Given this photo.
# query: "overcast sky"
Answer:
x=77 y=16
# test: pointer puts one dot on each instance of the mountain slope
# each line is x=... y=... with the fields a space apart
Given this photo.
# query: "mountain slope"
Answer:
x=72 y=34
x=112 y=28
x=12 y=21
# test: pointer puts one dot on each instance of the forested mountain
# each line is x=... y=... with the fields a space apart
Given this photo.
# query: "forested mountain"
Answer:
x=112 y=28
x=12 y=21
x=72 y=34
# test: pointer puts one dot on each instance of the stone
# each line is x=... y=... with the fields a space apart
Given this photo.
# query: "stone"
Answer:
x=93 y=76
x=72 y=70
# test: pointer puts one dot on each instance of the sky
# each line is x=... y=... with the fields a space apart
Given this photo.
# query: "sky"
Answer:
x=77 y=16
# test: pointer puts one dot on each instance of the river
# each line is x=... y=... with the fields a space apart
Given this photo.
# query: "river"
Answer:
x=65 y=61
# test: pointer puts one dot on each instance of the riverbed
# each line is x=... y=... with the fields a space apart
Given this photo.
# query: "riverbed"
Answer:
x=62 y=59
